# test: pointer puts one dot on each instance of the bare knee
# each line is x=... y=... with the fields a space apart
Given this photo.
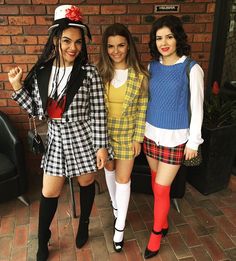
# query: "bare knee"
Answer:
x=86 y=179
x=122 y=180
x=50 y=193
x=123 y=170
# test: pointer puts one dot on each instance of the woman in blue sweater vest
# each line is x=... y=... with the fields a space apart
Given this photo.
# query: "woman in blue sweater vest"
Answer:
x=171 y=133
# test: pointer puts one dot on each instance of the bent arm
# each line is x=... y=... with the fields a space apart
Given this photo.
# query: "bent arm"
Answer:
x=196 y=107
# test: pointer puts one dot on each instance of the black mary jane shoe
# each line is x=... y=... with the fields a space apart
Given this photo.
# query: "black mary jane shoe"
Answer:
x=148 y=253
x=118 y=245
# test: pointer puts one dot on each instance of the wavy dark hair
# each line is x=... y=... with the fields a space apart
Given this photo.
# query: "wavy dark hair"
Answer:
x=51 y=51
x=105 y=64
x=176 y=27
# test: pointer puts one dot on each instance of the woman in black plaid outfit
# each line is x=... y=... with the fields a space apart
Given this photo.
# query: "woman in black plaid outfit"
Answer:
x=67 y=90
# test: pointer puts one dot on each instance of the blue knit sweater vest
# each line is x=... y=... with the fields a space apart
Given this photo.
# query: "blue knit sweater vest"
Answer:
x=168 y=105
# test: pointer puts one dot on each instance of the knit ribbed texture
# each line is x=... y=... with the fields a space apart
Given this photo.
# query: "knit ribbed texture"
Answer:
x=168 y=107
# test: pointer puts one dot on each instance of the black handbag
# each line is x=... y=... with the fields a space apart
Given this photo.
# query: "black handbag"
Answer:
x=194 y=161
x=35 y=142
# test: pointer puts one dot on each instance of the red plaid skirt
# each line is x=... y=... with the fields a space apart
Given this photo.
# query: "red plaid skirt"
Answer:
x=170 y=155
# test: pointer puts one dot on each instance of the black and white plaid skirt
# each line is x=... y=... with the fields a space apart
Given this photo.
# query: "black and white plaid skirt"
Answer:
x=69 y=149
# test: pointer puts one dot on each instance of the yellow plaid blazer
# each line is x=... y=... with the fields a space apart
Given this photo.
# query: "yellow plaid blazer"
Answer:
x=131 y=125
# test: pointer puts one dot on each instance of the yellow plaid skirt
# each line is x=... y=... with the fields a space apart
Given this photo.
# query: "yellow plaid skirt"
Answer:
x=121 y=132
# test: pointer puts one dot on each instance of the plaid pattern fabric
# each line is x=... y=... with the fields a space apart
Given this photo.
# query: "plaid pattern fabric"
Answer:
x=69 y=149
x=170 y=155
x=86 y=116
x=130 y=126
x=121 y=133
x=135 y=104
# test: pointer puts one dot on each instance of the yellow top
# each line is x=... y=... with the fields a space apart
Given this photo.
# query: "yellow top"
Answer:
x=116 y=97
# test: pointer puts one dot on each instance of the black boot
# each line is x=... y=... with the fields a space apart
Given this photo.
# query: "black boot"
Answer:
x=82 y=234
x=87 y=194
x=47 y=209
x=43 y=253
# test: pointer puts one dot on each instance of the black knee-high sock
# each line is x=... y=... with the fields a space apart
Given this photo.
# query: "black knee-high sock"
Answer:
x=47 y=209
x=87 y=194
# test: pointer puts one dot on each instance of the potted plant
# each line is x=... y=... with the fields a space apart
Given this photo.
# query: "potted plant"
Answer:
x=219 y=147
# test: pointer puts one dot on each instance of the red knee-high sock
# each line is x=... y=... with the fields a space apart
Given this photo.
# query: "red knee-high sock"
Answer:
x=161 y=209
x=153 y=175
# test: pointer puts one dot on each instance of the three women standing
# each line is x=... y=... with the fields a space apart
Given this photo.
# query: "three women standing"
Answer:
x=66 y=89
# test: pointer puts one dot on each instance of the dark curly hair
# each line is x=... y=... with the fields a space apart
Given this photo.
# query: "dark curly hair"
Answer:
x=176 y=27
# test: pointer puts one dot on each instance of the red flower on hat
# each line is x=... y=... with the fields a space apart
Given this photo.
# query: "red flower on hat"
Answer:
x=73 y=14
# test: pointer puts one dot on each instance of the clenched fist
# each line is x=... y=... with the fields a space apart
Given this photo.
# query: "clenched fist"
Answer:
x=15 y=78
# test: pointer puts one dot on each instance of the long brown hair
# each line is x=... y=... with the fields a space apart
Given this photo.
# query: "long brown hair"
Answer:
x=105 y=64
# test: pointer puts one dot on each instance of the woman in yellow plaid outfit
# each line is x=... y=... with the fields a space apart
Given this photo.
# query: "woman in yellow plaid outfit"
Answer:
x=126 y=99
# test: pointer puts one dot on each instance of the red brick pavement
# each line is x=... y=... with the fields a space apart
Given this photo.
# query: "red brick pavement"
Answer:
x=205 y=230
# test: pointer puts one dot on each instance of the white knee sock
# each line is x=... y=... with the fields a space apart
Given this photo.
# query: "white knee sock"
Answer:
x=122 y=199
x=111 y=185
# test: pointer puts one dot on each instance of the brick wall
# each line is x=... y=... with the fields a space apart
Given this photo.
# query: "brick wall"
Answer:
x=24 y=23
